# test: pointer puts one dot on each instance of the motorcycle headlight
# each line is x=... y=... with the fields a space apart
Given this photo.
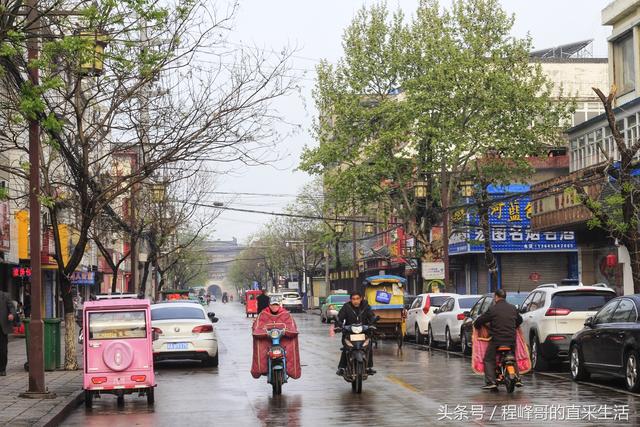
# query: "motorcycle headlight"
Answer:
x=274 y=333
x=356 y=329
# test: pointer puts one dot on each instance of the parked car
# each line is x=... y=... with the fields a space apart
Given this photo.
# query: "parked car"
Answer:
x=553 y=313
x=446 y=322
x=609 y=343
x=292 y=301
x=184 y=331
x=421 y=312
x=480 y=307
x=408 y=301
x=329 y=310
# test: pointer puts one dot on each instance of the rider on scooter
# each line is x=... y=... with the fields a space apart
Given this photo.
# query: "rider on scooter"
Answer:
x=356 y=311
x=502 y=319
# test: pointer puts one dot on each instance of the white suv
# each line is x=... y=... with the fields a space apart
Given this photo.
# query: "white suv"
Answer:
x=552 y=313
x=421 y=312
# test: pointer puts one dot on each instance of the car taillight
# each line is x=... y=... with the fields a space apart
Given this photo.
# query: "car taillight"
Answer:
x=427 y=305
x=557 y=312
x=99 y=380
x=138 y=378
x=460 y=316
x=555 y=337
x=202 y=329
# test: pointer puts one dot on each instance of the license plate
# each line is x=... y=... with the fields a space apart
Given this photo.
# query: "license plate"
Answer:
x=357 y=337
x=177 y=346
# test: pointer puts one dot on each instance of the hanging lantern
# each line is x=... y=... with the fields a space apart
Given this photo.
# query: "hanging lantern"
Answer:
x=420 y=190
x=157 y=193
x=466 y=188
x=338 y=227
x=93 y=65
x=369 y=227
x=611 y=261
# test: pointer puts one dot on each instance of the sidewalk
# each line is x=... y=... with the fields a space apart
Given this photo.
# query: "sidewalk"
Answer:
x=16 y=411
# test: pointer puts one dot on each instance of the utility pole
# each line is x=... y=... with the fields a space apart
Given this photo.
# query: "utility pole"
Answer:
x=35 y=357
x=355 y=257
x=445 y=223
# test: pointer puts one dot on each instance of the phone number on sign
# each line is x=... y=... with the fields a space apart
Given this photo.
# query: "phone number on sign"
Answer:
x=533 y=412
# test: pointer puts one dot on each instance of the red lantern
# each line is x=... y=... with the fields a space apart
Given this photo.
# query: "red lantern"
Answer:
x=611 y=261
x=15 y=272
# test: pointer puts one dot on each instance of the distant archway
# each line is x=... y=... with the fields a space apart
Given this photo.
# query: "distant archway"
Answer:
x=215 y=290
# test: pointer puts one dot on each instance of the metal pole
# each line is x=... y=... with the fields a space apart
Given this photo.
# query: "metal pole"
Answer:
x=445 y=224
x=36 y=326
x=355 y=258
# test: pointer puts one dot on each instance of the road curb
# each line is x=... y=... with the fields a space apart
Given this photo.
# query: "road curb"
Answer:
x=61 y=410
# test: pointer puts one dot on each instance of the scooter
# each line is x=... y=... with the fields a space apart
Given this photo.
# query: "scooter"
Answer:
x=277 y=369
x=506 y=372
x=358 y=339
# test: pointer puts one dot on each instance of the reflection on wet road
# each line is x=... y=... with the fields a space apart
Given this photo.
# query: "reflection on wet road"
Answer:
x=415 y=388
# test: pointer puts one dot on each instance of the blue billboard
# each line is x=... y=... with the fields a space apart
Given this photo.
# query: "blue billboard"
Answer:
x=510 y=225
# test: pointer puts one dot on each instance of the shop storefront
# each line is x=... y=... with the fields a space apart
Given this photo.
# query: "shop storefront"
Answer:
x=525 y=258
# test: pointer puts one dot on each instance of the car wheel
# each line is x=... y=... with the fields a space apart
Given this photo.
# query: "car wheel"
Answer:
x=419 y=336
x=88 y=398
x=631 y=371
x=578 y=372
x=151 y=399
x=538 y=361
x=430 y=341
x=211 y=361
x=464 y=344
x=447 y=340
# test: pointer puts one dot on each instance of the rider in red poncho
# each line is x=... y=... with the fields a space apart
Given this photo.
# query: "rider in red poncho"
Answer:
x=275 y=316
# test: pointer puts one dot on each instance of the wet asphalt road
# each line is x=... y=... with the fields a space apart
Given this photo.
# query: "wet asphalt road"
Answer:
x=417 y=387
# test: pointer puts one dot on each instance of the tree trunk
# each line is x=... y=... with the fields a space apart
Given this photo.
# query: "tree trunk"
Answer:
x=145 y=276
x=489 y=256
x=70 y=336
x=633 y=247
x=114 y=281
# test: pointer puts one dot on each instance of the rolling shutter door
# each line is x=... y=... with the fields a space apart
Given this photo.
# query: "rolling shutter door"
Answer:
x=516 y=268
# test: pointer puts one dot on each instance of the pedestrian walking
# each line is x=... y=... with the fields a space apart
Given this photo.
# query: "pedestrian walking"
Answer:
x=7 y=315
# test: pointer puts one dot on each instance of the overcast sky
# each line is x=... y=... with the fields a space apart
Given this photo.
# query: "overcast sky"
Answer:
x=315 y=27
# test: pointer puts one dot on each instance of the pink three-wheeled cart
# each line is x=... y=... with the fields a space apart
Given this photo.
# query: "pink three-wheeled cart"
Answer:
x=118 y=354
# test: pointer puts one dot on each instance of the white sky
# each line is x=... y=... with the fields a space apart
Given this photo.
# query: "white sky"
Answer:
x=315 y=27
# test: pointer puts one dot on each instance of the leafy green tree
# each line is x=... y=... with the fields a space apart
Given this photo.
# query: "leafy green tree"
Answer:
x=428 y=101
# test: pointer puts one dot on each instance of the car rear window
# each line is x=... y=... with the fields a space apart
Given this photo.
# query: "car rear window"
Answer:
x=438 y=301
x=339 y=299
x=581 y=300
x=117 y=325
x=168 y=313
x=291 y=296
x=517 y=299
x=467 y=302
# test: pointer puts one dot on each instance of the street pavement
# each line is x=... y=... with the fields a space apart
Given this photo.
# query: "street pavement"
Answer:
x=16 y=411
x=417 y=387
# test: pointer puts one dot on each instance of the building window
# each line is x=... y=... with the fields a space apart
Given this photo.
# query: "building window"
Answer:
x=624 y=64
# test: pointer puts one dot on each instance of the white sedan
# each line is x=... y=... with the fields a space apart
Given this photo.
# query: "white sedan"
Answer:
x=184 y=331
x=447 y=321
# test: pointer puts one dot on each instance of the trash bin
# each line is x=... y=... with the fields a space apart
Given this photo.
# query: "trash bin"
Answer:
x=52 y=348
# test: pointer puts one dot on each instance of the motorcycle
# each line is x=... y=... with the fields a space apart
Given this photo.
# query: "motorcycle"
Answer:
x=277 y=362
x=357 y=339
x=506 y=373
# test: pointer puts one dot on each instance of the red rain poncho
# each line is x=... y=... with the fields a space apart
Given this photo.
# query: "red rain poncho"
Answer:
x=261 y=342
x=480 y=343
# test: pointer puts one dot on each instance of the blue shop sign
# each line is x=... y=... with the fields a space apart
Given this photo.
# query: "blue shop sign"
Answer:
x=510 y=224
x=83 y=277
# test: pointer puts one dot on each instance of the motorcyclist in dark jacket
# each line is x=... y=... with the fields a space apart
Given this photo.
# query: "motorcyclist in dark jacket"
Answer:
x=503 y=319
x=356 y=311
